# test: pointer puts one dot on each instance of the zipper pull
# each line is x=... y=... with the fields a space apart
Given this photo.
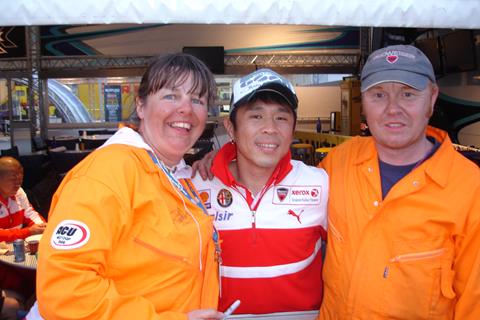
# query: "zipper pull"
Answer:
x=218 y=258
x=385 y=272
x=219 y=262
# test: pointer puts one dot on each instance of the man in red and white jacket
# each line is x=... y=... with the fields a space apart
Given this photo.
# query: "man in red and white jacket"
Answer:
x=18 y=219
x=270 y=210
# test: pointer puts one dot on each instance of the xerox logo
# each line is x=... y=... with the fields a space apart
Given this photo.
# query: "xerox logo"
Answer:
x=301 y=192
x=70 y=234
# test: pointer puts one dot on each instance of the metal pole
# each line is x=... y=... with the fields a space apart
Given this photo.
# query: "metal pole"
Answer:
x=10 y=109
x=33 y=65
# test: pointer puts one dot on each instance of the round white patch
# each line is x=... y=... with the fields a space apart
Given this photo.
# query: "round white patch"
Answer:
x=70 y=234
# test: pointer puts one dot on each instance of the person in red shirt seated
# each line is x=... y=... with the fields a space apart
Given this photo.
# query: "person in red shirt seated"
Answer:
x=18 y=220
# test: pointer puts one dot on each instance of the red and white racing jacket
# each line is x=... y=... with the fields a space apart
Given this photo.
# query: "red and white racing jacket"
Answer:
x=271 y=242
x=16 y=215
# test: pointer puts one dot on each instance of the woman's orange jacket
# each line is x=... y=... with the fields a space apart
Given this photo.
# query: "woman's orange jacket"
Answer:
x=145 y=258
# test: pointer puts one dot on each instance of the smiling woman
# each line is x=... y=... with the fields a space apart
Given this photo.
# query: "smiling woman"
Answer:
x=172 y=119
x=172 y=107
x=142 y=205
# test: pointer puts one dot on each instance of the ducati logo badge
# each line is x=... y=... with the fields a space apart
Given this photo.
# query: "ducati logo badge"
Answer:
x=224 y=198
x=282 y=193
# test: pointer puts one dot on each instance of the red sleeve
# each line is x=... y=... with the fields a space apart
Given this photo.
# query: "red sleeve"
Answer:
x=12 y=234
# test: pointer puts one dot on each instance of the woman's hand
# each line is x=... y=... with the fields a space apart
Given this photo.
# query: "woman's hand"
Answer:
x=205 y=314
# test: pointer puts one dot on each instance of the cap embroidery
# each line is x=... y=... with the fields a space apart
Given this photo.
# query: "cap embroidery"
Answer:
x=392 y=58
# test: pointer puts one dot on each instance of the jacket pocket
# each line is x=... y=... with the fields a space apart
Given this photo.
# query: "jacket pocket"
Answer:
x=158 y=246
x=162 y=252
x=417 y=284
x=416 y=256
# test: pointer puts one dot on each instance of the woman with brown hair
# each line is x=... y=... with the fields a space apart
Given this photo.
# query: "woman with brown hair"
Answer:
x=128 y=237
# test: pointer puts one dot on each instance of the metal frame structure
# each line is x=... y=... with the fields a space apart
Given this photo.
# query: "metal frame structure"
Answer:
x=38 y=69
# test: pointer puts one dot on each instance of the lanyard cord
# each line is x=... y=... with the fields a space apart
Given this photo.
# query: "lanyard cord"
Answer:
x=192 y=196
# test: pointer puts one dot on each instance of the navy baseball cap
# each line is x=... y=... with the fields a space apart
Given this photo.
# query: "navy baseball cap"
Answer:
x=262 y=80
x=400 y=63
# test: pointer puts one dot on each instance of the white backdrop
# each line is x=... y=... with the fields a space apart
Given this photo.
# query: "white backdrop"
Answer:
x=386 y=13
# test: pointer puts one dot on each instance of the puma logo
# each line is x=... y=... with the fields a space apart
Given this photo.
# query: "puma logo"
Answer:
x=292 y=213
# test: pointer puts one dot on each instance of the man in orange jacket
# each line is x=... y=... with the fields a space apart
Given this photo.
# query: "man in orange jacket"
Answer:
x=404 y=207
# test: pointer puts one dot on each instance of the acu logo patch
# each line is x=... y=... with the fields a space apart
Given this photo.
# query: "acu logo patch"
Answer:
x=70 y=234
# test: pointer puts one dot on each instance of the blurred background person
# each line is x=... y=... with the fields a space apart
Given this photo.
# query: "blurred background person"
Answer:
x=128 y=238
x=10 y=304
x=18 y=219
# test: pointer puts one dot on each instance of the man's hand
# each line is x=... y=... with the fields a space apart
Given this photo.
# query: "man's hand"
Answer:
x=204 y=165
x=37 y=228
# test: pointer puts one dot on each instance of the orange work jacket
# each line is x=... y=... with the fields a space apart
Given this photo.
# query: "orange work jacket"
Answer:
x=414 y=254
x=142 y=256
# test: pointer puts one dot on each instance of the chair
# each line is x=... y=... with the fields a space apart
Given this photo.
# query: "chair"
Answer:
x=12 y=152
x=64 y=161
x=35 y=167
x=209 y=131
x=97 y=131
x=321 y=153
x=203 y=147
x=69 y=143
x=38 y=143
x=208 y=134
x=90 y=143
x=303 y=152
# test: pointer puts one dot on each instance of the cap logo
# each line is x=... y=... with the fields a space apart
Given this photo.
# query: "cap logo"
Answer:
x=392 y=58
x=260 y=78
x=250 y=83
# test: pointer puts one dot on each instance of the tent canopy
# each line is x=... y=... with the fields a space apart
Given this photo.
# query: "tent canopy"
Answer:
x=369 y=13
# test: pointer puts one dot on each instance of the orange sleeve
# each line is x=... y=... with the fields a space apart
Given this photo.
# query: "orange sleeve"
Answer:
x=467 y=267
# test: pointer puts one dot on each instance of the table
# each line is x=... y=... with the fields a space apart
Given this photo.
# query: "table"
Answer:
x=9 y=259
x=320 y=139
x=97 y=137
x=95 y=141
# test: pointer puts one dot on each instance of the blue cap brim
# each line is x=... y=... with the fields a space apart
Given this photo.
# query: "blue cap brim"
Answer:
x=411 y=79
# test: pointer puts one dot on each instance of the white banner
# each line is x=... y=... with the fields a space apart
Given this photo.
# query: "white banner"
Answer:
x=385 y=13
